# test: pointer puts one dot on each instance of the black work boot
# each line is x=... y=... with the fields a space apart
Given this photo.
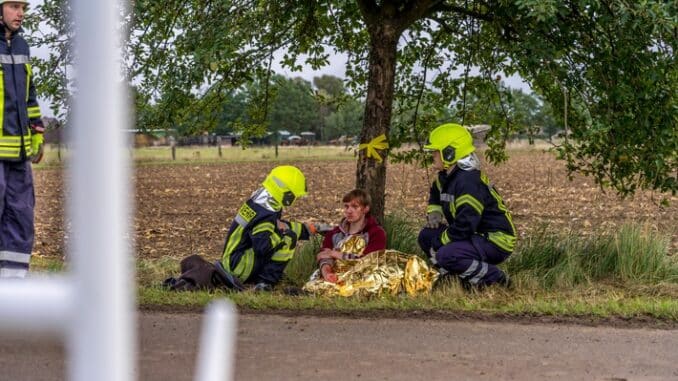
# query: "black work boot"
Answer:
x=505 y=282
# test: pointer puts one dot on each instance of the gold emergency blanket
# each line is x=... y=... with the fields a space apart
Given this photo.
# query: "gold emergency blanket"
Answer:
x=389 y=271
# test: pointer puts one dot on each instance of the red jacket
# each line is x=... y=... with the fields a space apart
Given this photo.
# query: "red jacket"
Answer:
x=373 y=234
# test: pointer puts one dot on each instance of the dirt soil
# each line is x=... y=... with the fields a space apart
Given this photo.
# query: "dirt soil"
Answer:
x=279 y=347
x=186 y=209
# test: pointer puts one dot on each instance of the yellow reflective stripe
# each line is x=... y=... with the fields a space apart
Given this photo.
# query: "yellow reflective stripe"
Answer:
x=2 y=101
x=453 y=210
x=12 y=140
x=244 y=268
x=434 y=208
x=296 y=228
x=267 y=227
x=283 y=255
x=471 y=201
x=500 y=202
x=275 y=240
x=10 y=154
x=233 y=241
x=263 y=227
x=505 y=241
x=29 y=74
x=438 y=185
x=444 y=238
x=34 y=112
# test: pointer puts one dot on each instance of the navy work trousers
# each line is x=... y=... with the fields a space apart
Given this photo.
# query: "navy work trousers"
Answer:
x=17 y=202
x=474 y=260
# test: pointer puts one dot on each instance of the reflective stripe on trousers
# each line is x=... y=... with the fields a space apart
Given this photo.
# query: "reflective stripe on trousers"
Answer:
x=473 y=260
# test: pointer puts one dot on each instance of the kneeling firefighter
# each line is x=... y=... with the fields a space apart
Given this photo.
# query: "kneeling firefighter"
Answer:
x=259 y=243
x=469 y=230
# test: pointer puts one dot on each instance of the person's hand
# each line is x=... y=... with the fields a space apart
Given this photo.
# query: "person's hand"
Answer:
x=434 y=220
x=37 y=147
x=329 y=254
x=283 y=226
x=322 y=227
x=328 y=274
x=325 y=254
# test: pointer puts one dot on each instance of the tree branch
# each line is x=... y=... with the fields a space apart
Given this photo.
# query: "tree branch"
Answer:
x=441 y=6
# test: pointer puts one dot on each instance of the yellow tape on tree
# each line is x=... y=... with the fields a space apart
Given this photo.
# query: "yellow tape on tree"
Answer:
x=378 y=143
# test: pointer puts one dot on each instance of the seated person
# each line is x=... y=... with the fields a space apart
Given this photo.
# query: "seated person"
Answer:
x=259 y=243
x=357 y=235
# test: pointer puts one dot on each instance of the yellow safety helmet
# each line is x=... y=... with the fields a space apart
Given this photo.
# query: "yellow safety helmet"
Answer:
x=285 y=183
x=452 y=140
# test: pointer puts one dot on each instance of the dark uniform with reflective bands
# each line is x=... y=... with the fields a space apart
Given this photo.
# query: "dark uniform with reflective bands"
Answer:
x=20 y=116
x=480 y=231
x=256 y=250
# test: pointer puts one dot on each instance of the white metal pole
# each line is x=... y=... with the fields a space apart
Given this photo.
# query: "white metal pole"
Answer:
x=102 y=340
x=39 y=305
x=217 y=343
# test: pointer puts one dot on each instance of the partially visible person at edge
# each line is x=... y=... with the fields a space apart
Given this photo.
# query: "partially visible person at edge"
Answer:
x=468 y=230
x=259 y=243
x=358 y=234
x=20 y=143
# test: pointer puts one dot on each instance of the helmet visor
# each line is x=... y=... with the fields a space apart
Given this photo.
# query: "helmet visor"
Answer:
x=288 y=198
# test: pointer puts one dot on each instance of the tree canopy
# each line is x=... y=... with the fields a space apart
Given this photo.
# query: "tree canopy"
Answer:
x=607 y=69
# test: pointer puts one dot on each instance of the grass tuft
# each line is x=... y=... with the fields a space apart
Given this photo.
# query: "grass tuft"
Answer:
x=402 y=234
x=633 y=255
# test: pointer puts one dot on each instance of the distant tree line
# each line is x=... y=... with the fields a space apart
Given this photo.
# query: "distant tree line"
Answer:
x=327 y=108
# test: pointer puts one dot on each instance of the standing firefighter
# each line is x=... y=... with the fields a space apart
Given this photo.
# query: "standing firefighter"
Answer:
x=479 y=233
x=20 y=141
x=259 y=243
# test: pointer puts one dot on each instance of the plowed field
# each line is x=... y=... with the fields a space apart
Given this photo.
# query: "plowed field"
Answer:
x=184 y=209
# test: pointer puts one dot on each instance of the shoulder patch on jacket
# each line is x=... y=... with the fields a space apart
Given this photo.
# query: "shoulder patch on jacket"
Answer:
x=246 y=212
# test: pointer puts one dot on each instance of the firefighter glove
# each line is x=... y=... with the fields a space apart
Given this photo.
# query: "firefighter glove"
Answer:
x=37 y=149
x=434 y=220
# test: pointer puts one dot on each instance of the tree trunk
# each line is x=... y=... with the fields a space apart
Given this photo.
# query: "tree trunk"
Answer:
x=371 y=173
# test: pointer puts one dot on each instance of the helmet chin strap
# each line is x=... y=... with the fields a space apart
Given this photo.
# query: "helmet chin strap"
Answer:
x=2 y=22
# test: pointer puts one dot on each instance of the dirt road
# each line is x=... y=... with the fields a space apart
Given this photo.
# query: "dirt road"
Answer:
x=274 y=347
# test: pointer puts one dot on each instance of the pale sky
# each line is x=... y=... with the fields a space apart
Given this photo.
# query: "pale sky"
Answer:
x=337 y=68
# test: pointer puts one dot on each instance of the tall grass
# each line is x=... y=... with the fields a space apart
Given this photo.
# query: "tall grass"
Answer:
x=303 y=263
x=628 y=273
x=401 y=234
x=633 y=255
x=55 y=155
x=238 y=154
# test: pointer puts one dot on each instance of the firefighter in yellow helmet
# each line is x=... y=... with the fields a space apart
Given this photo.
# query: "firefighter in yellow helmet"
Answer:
x=259 y=243
x=21 y=140
x=468 y=228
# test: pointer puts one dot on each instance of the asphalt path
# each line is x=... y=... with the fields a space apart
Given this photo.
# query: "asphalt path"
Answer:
x=288 y=347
